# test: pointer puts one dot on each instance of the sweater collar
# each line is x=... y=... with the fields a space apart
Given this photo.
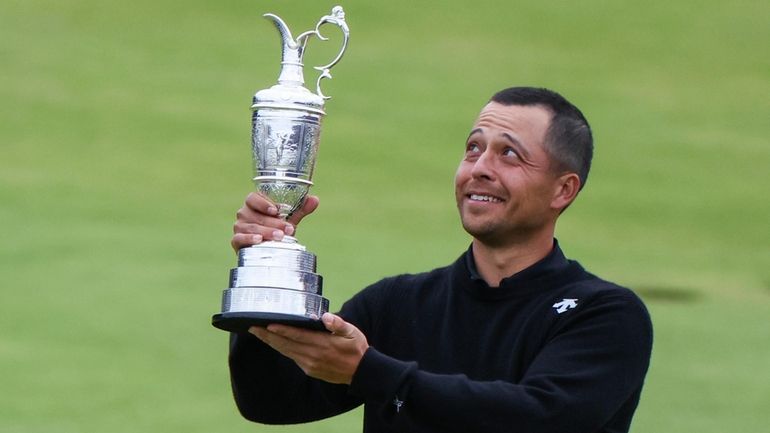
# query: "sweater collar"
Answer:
x=548 y=266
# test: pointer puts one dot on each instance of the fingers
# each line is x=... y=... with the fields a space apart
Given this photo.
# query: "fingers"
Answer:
x=250 y=234
x=331 y=357
x=280 y=336
x=258 y=221
x=261 y=205
x=242 y=240
x=308 y=206
x=337 y=326
x=257 y=212
x=266 y=229
x=294 y=343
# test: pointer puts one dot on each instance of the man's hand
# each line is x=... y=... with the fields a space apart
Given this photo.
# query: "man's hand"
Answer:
x=332 y=357
x=258 y=221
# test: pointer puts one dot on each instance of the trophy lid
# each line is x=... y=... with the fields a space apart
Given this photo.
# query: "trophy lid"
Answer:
x=290 y=92
x=292 y=97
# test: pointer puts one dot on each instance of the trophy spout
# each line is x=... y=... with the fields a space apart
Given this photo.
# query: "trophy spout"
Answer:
x=291 y=54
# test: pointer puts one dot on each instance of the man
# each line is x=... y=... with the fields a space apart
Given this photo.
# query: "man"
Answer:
x=512 y=337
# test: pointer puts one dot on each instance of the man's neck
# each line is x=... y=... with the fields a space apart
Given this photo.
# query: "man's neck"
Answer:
x=494 y=263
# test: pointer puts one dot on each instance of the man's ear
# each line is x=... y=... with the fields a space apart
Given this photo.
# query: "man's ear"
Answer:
x=566 y=189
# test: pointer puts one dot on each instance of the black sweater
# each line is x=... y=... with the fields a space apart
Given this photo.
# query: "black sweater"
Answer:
x=553 y=349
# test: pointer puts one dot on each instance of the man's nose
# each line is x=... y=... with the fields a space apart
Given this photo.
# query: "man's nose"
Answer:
x=483 y=168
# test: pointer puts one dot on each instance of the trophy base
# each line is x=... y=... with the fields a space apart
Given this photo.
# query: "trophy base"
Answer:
x=275 y=282
x=241 y=321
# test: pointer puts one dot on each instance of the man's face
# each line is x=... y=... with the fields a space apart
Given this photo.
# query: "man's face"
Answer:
x=504 y=186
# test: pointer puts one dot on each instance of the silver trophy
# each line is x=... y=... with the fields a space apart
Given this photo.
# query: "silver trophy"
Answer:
x=275 y=281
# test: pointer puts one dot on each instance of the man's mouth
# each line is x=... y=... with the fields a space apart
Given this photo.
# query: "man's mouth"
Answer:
x=486 y=198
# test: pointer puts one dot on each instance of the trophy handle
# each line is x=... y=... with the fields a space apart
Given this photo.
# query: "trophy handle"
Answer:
x=337 y=18
x=294 y=49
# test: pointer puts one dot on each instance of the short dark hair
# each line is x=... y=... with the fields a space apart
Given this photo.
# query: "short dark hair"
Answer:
x=568 y=140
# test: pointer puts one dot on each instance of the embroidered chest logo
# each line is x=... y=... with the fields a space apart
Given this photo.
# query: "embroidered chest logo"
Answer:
x=565 y=304
x=398 y=403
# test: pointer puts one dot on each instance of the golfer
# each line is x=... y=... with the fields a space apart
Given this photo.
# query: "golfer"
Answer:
x=511 y=337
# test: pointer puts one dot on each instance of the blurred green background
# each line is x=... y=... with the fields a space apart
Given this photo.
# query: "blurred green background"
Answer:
x=124 y=154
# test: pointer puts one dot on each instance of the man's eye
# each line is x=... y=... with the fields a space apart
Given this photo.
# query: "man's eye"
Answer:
x=472 y=148
x=510 y=152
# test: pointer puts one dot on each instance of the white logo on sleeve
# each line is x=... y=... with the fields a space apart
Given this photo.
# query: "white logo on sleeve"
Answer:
x=564 y=305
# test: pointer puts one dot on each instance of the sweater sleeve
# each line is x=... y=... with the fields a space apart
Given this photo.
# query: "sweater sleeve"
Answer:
x=270 y=388
x=590 y=370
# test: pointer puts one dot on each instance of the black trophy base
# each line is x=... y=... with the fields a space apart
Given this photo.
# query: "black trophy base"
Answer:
x=241 y=321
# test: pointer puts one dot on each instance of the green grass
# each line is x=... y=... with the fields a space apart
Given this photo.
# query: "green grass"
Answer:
x=124 y=131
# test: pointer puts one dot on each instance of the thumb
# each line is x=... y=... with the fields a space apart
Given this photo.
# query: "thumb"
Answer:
x=337 y=326
x=308 y=206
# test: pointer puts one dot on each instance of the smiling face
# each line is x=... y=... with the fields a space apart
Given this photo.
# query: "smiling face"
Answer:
x=505 y=188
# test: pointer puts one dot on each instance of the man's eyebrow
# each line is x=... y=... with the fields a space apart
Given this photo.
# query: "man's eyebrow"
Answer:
x=517 y=144
x=473 y=132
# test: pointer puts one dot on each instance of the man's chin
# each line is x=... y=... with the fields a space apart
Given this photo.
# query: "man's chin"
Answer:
x=482 y=231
